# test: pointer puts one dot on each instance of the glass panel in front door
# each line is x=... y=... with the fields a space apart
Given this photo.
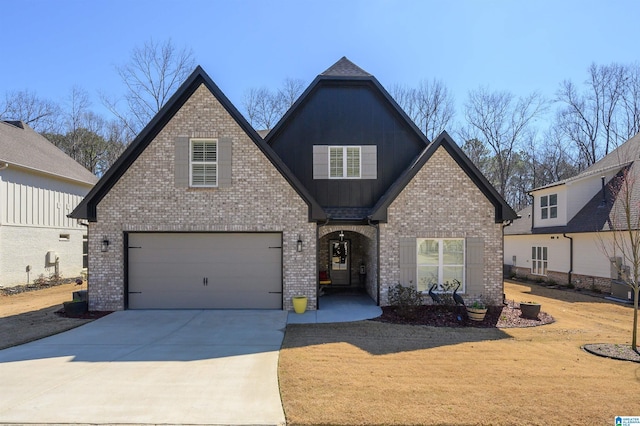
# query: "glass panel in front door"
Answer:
x=339 y=251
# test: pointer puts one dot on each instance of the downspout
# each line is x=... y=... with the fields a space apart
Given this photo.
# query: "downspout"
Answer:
x=377 y=226
x=570 y=273
x=504 y=225
x=86 y=224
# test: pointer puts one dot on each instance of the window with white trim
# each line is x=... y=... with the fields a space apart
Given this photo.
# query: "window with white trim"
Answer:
x=539 y=260
x=549 y=206
x=344 y=162
x=203 y=163
x=440 y=261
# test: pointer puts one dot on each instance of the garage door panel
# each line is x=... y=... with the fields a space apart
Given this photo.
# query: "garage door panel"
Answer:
x=200 y=271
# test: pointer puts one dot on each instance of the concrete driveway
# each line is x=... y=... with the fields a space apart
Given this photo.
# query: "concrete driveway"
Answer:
x=152 y=367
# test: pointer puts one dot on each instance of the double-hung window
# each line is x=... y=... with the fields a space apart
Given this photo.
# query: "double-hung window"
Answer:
x=539 y=260
x=203 y=163
x=344 y=162
x=549 y=206
x=440 y=261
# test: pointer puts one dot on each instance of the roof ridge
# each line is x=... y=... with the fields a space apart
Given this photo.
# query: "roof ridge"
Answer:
x=345 y=68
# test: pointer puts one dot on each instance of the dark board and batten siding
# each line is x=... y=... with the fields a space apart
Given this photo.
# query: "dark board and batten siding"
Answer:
x=368 y=162
x=346 y=113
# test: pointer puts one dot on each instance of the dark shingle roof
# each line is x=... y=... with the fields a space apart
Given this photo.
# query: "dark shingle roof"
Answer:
x=625 y=154
x=345 y=68
x=22 y=146
x=521 y=225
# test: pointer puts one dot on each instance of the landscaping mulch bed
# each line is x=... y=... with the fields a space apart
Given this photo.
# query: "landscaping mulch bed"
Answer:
x=614 y=351
x=23 y=288
x=508 y=316
x=86 y=315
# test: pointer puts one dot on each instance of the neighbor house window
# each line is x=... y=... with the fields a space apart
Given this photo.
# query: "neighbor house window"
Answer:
x=440 y=261
x=539 y=260
x=344 y=162
x=203 y=162
x=549 y=206
x=85 y=252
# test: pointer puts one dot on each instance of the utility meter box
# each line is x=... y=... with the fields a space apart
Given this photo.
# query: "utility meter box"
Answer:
x=51 y=258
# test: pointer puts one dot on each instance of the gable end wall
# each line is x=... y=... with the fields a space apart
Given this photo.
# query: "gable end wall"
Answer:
x=147 y=199
x=441 y=201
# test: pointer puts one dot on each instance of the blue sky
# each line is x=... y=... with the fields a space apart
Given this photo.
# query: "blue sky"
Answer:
x=520 y=46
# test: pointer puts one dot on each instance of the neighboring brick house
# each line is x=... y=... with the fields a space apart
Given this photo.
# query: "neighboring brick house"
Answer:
x=202 y=212
x=39 y=186
x=560 y=237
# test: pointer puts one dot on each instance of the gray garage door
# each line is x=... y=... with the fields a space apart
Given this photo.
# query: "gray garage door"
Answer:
x=205 y=271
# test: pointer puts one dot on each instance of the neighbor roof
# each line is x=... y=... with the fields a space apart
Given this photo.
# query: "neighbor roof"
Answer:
x=22 y=146
x=87 y=208
x=601 y=209
x=622 y=156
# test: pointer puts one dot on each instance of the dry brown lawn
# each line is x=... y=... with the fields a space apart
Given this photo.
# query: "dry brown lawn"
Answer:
x=369 y=373
x=30 y=316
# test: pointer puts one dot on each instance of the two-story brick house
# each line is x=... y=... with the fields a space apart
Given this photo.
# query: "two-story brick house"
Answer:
x=201 y=212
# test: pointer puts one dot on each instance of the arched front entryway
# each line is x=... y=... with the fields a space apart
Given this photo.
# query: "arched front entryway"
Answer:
x=348 y=260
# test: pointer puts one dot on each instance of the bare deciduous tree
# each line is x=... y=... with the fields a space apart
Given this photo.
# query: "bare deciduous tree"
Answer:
x=86 y=136
x=629 y=122
x=264 y=107
x=40 y=114
x=622 y=239
x=154 y=72
x=592 y=119
x=430 y=106
x=504 y=124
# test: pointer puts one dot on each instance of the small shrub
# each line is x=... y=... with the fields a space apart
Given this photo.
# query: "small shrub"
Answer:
x=41 y=281
x=55 y=279
x=405 y=300
x=571 y=286
x=446 y=297
x=552 y=282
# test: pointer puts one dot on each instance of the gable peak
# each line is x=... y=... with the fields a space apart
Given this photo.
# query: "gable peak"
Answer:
x=345 y=68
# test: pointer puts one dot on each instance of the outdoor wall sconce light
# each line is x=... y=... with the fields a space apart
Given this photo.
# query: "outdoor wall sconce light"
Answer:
x=341 y=235
x=299 y=244
x=105 y=244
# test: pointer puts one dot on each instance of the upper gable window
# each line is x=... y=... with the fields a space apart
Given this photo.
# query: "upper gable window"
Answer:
x=203 y=163
x=549 y=206
x=344 y=162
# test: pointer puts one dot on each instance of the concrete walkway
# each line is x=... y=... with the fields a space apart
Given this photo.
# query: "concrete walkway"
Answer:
x=150 y=367
x=339 y=308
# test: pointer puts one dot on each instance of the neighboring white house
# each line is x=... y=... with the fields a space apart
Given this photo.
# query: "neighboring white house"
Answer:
x=559 y=237
x=39 y=186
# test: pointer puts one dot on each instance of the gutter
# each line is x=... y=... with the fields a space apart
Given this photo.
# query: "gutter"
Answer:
x=570 y=273
x=49 y=173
